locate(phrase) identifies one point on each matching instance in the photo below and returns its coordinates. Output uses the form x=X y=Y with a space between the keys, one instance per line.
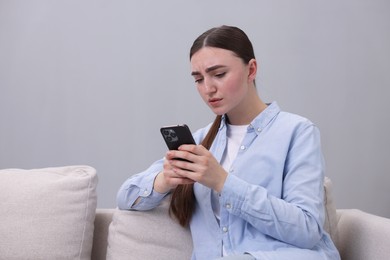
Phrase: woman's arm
x=138 y=193
x=296 y=217
x=145 y=190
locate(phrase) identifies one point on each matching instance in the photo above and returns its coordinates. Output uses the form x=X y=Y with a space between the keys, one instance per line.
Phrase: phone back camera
x=170 y=135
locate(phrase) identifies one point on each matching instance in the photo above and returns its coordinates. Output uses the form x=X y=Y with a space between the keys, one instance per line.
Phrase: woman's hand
x=168 y=179
x=202 y=167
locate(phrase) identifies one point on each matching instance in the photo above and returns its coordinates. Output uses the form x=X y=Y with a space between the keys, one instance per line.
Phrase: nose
x=209 y=86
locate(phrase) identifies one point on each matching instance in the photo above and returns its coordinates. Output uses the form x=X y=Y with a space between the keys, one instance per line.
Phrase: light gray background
x=91 y=82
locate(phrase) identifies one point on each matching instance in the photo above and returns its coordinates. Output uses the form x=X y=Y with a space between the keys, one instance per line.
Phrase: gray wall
x=91 y=82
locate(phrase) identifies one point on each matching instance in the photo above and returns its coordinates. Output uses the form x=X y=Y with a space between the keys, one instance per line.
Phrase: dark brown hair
x=225 y=37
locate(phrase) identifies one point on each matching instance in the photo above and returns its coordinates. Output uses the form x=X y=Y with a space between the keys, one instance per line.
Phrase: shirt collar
x=261 y=120
x=265 y=117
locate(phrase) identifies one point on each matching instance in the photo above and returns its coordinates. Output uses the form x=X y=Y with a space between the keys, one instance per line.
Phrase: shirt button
x=225 y=229
x=228 y=206
x=259 y=129
x=145 y=192
x=242 y=147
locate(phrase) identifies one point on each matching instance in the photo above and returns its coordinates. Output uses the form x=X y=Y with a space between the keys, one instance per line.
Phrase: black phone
x=177 y=135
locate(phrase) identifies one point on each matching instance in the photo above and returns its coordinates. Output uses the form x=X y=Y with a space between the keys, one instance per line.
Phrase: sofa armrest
x=362 y=236
x=103 y=219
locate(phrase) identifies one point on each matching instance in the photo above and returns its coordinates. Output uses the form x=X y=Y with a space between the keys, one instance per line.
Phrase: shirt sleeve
x=140 y=186
x=297 y=217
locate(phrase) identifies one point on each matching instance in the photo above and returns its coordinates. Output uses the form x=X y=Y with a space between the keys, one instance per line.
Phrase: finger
x=180 y=155
x=174 y=154
x=169 y=155
x=183 y=168
x=173 y=179
x=188 y=174
x=194 y=149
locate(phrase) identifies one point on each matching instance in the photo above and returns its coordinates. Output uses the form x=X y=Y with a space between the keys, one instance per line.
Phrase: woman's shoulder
x=295 y=125
x=273 y=117
x=290 y=117
x=293 y=118
x=284 y=122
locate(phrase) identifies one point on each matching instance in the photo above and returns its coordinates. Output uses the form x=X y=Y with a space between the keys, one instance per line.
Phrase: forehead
x=211 y=56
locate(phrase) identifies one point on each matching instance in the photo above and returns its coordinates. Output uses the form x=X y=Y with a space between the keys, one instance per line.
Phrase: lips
x=215 y=101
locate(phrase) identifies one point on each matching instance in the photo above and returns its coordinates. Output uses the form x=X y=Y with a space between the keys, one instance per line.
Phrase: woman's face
x=222 y=79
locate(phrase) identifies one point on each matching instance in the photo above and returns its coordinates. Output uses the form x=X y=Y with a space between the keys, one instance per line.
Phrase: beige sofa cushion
x=47 y=213
x=147 y=235
x=154 y=235
x=330 y=225
x=363 y=236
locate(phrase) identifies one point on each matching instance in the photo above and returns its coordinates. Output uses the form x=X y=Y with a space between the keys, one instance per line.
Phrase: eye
x=198 y=80
x=220 y=75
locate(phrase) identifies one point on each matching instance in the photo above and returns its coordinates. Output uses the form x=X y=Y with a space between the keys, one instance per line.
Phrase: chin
x=218 y=112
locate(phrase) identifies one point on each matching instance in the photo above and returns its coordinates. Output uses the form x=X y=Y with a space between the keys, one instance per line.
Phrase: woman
x=253 y=188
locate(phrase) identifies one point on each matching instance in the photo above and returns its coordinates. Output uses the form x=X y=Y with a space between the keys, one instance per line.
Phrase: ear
x=252 y=65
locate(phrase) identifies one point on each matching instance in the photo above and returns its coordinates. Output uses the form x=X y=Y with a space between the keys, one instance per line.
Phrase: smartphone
x=176 y=135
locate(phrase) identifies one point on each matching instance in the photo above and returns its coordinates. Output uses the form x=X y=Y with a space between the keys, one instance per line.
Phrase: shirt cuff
x=233 y=194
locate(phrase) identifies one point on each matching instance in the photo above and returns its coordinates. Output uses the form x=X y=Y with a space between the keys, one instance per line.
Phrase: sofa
x=51 y=213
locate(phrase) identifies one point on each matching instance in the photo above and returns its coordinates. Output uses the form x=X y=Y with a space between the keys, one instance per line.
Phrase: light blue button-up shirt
x=271 y=205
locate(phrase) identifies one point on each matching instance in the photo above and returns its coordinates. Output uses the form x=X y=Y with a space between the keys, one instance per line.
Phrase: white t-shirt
x=235 y=135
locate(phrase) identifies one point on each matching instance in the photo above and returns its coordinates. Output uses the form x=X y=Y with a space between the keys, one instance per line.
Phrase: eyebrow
x=215 y=67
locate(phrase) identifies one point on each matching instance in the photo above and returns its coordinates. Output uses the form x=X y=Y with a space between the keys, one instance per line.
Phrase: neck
x=245 y=114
